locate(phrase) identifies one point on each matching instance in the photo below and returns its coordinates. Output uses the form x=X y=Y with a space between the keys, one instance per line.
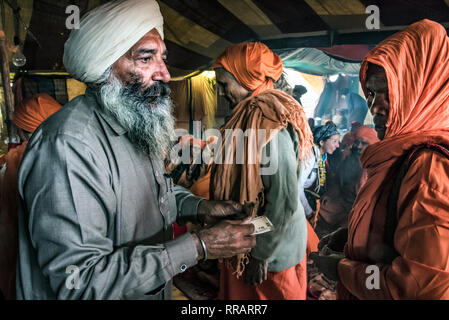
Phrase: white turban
x=107 y=33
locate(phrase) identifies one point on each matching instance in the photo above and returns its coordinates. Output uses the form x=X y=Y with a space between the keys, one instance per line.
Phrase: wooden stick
x=8 y=109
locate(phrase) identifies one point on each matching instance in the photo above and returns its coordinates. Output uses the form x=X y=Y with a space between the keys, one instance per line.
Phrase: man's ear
x=321 y=143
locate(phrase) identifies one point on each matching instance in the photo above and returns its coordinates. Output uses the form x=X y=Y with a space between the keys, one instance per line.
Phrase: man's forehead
x=225 y=76
x=151 y=40
x=360 y=139
x=376 y=75
x=377 y=82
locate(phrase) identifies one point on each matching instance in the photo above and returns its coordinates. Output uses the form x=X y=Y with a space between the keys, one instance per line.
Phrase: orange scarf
x=416 y=65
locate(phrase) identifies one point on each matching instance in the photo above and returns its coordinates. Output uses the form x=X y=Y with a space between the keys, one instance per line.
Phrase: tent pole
x=8 y=108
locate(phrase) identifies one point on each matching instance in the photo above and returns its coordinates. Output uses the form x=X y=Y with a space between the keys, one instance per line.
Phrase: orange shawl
x=253 y=65
x=416 y=65
x=272 y=111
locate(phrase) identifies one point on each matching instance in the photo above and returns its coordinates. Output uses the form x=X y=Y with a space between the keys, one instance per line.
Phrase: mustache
x=154 y=94
x=380 y=120
x=356 y=150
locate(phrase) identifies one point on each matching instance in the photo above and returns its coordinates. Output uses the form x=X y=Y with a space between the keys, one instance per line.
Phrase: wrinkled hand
x=228 y=238
x=327 y=264
x=210 y=211
x=256 y=271
x=335 y=241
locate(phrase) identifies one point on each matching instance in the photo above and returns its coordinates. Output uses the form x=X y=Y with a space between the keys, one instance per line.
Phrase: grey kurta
x=285 y=246
x=92 y=203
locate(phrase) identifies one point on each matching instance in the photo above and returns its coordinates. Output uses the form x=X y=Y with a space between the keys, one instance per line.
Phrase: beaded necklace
x=322 y=171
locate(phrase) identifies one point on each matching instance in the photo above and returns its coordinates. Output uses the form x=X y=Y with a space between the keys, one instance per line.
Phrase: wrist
x=200 y=246
x=200 y=212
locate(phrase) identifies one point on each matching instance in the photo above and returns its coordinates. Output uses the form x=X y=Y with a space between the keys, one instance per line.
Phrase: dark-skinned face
x=378 y=99
x=229 y=87
x=144 y=61
x=359 y=145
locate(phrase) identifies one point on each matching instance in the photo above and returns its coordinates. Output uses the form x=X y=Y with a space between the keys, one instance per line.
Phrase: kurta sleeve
x=187 y=205
x=421 y=271
x=70 y=207
x=281 y=192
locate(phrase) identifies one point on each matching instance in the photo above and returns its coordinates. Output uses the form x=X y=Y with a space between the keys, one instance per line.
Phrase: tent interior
x=321 y=43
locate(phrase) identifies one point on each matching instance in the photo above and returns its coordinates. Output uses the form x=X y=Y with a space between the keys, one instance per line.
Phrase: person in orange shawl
x=406 y=82
x=276 y=267
x=28 y=115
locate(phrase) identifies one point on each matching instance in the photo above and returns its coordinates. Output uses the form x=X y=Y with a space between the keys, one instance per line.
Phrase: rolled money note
x=261 y=225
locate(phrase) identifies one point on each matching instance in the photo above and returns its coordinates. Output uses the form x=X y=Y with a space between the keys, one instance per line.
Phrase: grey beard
x=145 y=114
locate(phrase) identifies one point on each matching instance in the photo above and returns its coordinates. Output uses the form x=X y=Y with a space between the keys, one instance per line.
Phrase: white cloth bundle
x=107 y=33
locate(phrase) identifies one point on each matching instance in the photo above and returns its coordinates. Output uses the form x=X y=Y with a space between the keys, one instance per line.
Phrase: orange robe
x=415 y=61
x=289 y=284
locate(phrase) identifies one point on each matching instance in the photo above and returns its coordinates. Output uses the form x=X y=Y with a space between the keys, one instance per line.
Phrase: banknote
x=262 y=224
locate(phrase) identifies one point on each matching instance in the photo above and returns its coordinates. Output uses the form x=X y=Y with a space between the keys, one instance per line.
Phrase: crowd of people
x=93 y=189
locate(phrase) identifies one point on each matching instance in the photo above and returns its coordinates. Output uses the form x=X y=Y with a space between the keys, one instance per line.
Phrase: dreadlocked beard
x=145 y=113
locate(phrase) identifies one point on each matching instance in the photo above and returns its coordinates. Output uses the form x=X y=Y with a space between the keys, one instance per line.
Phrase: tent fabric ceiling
x=348 y=52
x=314 y=61
x=197 y=31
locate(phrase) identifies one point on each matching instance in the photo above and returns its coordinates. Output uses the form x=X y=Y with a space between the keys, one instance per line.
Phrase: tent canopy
x=197 y=31
x=314 y=61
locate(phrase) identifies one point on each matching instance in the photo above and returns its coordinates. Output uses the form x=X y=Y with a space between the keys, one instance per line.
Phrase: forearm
x=121 y=274
x=404 y=279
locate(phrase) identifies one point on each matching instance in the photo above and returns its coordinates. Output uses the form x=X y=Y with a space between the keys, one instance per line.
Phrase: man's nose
x=379 y=104
x=161 y=73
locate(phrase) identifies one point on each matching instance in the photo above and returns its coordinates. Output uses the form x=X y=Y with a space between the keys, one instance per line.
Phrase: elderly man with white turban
x=97 y=206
